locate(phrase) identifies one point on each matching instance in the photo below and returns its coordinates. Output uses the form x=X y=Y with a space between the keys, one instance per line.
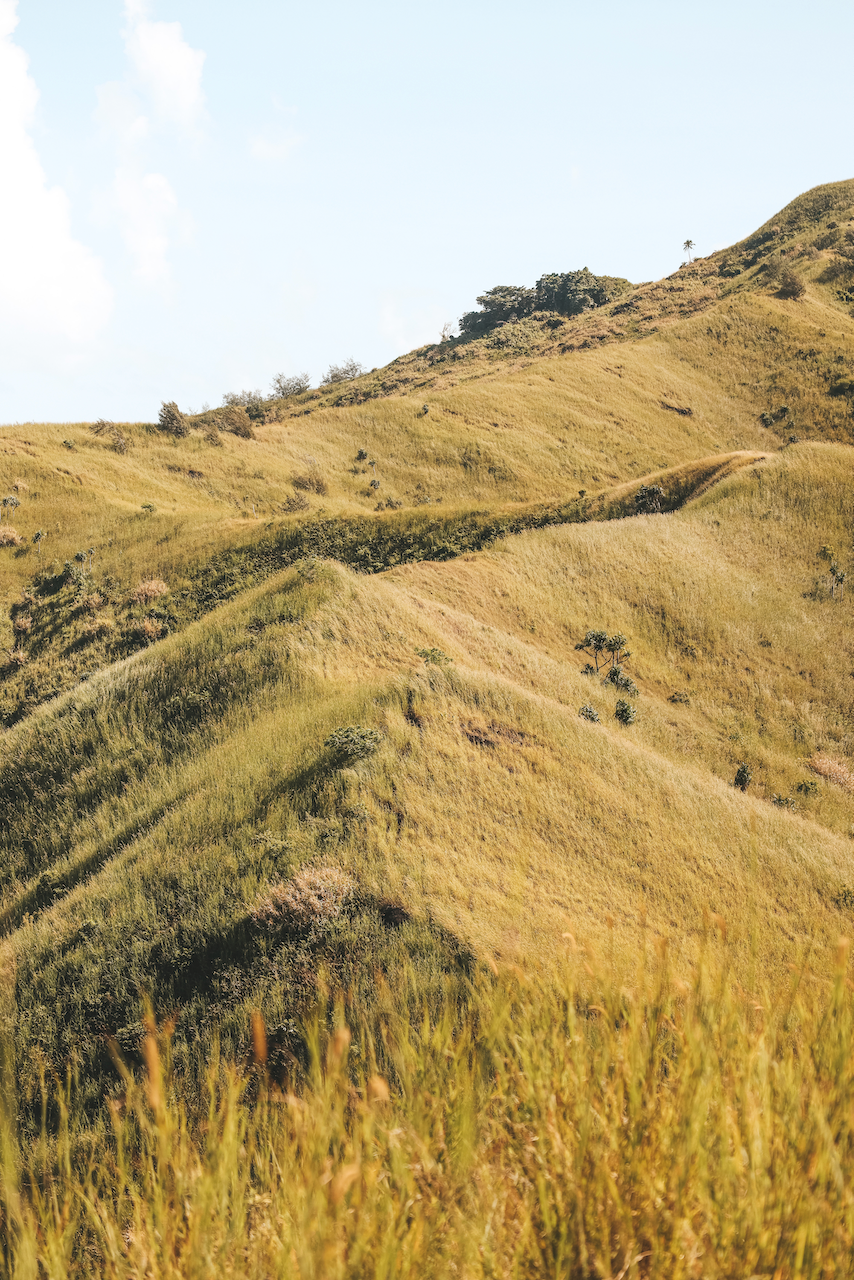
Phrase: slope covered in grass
x=296 y=718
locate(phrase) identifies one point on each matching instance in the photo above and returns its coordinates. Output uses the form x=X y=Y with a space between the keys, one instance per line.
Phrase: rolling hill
x=293 y=717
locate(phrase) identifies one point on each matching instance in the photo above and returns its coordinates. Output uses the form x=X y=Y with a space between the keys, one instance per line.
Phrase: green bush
x=434 y=657
x=625 y=712
x=618 y=678
x=743 y=776
x=353 y=743
x=589 y=713
x=648 y=499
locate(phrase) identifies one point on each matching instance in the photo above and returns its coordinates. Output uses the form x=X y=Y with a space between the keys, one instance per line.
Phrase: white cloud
x=147 y=205
x=273 y=150
x=50 y=283
x=166 y=67
x=164 y=89
x=120 y=114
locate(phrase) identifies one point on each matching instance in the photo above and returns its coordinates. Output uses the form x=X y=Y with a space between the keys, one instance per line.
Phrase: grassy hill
x=291 y=725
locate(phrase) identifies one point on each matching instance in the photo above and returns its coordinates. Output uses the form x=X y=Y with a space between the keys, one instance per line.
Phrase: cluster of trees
x=609 y=653
x=286 y=385
x=567 y=293
x=241 y=408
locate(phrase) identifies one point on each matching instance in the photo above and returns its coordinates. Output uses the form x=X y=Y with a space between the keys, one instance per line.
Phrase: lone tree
x=688 y=246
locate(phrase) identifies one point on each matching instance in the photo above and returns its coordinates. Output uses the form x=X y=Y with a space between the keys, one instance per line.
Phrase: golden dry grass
x=176 y=824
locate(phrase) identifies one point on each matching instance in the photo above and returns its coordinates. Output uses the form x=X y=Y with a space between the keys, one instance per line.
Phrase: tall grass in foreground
x=683 y=1129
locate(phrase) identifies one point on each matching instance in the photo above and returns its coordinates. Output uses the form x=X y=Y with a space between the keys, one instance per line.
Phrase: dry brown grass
x=9 y=537
x=315 y=895
x=835 y=771
x=145 y=592
x=98 y=629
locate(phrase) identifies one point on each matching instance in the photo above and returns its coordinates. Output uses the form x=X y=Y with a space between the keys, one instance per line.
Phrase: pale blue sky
x=196 y=196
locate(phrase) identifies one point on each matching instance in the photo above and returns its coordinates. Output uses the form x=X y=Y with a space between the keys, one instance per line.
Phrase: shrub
x=149 y=590
x=315 y=897
x=242 y=399
x=290 y=386
x=434 y=657
x=146 y=631
x=172 y=420
x=680 y=697
x=617 y=677
x=807 y=787
x=844 y=898
x=118 y=440
x=212 y=437
x=234 y=419
x=589 y=713
x=648 y=499
x=9 y=537
x=312 y=482
x=97 y=629
x=353 y=743
x=791 y=284
x=784 y=802
x=743 y=776
x=296 y=502
x=625 y=712
x=345 y=372
x=362 y=455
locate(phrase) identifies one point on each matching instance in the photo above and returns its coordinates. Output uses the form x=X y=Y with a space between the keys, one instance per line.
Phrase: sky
x=196 y=196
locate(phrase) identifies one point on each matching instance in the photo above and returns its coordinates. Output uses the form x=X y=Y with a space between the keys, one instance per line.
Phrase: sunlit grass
x=677 y=1126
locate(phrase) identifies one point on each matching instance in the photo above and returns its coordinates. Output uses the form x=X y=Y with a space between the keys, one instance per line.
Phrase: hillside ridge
x=291 y=709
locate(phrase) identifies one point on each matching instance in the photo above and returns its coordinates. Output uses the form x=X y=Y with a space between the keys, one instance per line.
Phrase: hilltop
x=294 y=714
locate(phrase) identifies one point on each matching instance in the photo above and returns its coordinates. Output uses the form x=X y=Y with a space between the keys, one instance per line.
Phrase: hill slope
x=187 y=638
